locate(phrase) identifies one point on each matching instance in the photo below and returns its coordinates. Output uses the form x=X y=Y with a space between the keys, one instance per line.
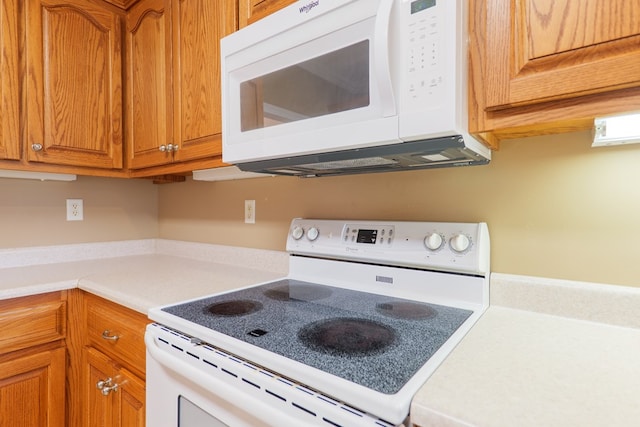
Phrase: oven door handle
x=231 y=395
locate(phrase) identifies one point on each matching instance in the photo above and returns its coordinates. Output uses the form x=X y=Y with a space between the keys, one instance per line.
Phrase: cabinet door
x=198 y=27
x=98 y=410
x=74 y=83
x=253 y=10
x=131 y=400
x=542 y=50
x=149 y=79
x=32 y=390
x=105 y=406
x=9 y=81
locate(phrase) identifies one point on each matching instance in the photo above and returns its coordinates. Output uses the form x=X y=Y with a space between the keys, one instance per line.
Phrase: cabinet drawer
x=29 y=321
x=106 y=321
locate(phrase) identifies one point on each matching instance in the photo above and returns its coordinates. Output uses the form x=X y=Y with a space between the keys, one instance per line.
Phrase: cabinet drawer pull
x=106 y=335
x=36 y=147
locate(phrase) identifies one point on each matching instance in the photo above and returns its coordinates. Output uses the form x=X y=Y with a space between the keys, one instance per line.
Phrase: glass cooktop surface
x=373 y=340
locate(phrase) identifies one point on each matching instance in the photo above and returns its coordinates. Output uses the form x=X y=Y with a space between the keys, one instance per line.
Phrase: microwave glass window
x=335 y=82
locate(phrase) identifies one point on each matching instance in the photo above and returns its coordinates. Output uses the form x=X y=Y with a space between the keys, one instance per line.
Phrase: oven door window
x=191 y=415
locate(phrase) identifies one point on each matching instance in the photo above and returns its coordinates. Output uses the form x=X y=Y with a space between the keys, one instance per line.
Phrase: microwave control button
x=433 y=241
x=297 y=232
x=313 y=234
x=460 y=243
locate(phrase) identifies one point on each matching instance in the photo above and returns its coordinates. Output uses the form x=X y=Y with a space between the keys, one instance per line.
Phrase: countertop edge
x=41 y=288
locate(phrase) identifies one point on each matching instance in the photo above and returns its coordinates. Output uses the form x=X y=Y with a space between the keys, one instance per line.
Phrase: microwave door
x=330 y=92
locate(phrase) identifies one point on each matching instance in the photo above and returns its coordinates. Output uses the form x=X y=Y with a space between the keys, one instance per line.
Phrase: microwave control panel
x=424 y=49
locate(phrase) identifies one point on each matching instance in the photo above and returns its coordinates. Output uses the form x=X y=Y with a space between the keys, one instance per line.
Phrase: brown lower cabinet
x=107 y=355
x=73 y=359
x=113 y=396
x=32 y=360
x=32 y=389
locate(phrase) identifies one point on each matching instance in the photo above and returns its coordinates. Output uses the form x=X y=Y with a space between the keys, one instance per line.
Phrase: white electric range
x=367 y=313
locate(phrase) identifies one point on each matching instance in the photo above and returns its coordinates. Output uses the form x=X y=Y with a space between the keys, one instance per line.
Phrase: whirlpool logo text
x=307 y=7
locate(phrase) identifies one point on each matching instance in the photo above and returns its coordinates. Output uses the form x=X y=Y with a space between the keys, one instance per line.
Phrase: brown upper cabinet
x=73 y=83
x=123 y=4
x=549 y=66
x=174 y=111
x=9 y=81
x=253 y=10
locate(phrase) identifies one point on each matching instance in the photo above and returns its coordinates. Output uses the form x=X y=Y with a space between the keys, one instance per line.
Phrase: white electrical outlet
x=250 y=211
x=74 y=210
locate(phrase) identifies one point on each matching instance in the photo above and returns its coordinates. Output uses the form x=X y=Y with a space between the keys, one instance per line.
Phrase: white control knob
x=297 y=232
x=459 y=243
x=433 y=241
x=313 y=234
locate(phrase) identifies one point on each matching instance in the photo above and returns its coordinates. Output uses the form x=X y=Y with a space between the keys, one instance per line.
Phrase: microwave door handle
x=381 y=58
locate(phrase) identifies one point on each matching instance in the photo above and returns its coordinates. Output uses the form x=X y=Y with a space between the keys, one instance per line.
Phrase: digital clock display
x=367 y=236
x=418 y=5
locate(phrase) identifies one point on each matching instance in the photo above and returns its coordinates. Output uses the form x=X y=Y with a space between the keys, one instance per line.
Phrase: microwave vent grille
x=422 y=154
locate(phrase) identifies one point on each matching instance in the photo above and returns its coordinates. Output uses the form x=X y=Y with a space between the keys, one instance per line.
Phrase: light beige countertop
x=147 y=281
x=546 y=353
x=148 y=274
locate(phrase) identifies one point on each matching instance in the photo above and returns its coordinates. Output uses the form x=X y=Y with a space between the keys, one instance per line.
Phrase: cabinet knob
x=169 y=148
x=106 y=390
x=36 y=147
x=107 y=386
x=106 y=335
x=100 y=385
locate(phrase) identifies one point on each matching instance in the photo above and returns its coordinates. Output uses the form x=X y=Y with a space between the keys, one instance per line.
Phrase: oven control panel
x=430 y=245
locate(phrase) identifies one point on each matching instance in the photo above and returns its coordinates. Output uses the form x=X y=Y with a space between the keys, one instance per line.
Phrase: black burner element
x=298 y=292
x=234 y=308
x=405 y=310
x=347 y=336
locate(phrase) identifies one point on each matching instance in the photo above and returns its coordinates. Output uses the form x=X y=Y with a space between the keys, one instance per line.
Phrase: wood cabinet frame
x=513 y=93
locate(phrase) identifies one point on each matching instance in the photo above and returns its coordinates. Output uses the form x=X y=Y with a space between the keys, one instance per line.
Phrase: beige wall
x=555 y=207
x=33 y=213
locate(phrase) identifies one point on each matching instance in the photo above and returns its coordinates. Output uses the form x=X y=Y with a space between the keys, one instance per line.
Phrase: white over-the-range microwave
x=326 y=87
